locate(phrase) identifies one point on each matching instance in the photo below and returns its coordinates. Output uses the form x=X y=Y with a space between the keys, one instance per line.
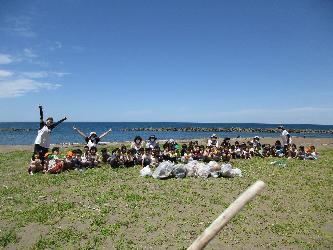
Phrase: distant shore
x=228 y=130
x=317 y=142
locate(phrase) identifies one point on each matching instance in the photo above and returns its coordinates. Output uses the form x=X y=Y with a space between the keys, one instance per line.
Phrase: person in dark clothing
x=106 y=156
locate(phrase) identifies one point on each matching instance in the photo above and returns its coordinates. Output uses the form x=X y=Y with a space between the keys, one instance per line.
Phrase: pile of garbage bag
x=194 y=168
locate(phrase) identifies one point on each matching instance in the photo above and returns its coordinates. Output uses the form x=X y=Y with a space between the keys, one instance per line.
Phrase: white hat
x=213 y=136
x=92 y=133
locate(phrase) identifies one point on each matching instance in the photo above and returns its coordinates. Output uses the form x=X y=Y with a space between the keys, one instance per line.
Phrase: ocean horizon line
x=187 y=122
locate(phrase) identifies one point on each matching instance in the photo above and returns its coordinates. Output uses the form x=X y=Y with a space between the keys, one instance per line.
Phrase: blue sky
x=195 y=61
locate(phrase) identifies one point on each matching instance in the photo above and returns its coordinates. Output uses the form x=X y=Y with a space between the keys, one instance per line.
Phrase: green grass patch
x=117 y=208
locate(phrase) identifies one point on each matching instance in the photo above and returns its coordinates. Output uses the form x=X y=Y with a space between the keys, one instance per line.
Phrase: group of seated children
x=73 y=160
x=249 y=149
x=151 y=153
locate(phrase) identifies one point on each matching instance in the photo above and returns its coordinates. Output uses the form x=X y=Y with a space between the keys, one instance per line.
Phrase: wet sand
x=320 y=143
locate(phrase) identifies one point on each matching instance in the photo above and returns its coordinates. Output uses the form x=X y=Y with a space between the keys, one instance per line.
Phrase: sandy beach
x=319 y=143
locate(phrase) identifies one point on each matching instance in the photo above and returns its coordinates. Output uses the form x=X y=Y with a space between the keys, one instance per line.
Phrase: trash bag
x=279 y=163
x=228 y=171
x=146 y=171
x=203 y=170
x=164 y=170
x=214 y=166
x=179 y=171
x=191 y=168
x=215 y=174
x=237 y=172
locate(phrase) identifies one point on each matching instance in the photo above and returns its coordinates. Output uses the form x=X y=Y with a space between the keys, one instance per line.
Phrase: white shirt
x=284 y=137
x=43 y=137
x=136 y=146
x=91 y=144
x=151 y=144
x=213 y=143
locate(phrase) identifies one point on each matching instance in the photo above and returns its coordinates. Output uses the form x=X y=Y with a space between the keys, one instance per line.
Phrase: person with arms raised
x=42 y=141
x=92 y=140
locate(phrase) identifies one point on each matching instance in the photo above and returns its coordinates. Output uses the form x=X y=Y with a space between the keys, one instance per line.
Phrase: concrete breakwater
x=200 y=129
x=17 y=129
x=234 y=130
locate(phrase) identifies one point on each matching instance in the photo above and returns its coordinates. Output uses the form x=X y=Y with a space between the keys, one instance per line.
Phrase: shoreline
x=320 y=143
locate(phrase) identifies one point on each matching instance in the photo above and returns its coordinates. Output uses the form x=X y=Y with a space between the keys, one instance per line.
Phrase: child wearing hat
x=152 y=142
x=92 y=140
x=213 y=142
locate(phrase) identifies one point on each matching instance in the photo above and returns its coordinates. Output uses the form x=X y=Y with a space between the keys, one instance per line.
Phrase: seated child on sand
x=93 y=158
x=311 y=153
x=35 y=165
x=54 y=163
x=147 y=157
x=137 y=143
x=106 y=156
x=152 y=142
x=213 y=142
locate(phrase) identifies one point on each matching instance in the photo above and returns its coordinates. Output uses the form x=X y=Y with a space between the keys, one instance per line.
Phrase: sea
x=64 y=133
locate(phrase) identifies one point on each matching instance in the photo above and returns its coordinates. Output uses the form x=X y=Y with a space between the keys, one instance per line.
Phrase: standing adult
x=42 y=141
x=285 y=138
x=92 y=140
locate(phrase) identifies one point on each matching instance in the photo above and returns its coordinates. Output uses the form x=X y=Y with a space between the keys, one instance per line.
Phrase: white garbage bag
x=203 y=170
x=214 y=166
x=191 y=168
x=164 y=170
x=228 y=171
x=179 y=171
x=146 y=171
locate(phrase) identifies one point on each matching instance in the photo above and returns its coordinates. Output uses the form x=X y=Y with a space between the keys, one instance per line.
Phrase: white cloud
x=5 y=59
x=5 y=73
x=35 y=74
x=18 y=25
x=43 y=74
x=59 y=74
x=29 y=53
x=55 y=45
x=19 y=87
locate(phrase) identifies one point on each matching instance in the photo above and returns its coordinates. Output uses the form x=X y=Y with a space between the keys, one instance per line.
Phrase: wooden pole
x=211 y=231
